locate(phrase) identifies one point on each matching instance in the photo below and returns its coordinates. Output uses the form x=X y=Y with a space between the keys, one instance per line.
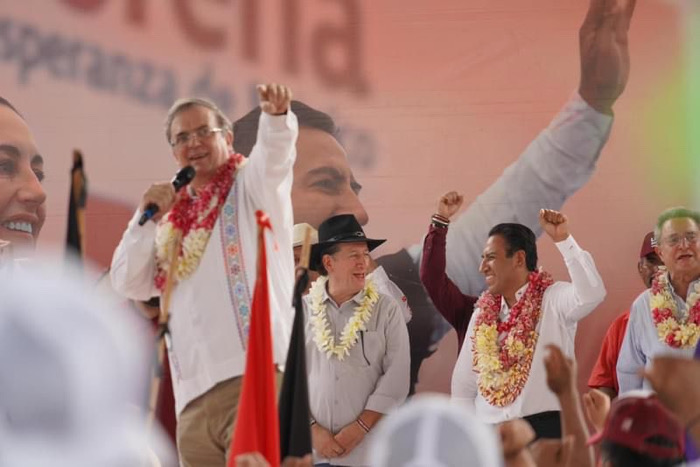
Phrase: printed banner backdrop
x=429 y=96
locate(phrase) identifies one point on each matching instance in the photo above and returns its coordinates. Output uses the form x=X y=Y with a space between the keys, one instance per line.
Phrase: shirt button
x=337 y=378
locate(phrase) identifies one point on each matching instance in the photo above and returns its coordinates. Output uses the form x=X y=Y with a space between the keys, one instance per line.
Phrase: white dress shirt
x=207 y=346
x=563 y=305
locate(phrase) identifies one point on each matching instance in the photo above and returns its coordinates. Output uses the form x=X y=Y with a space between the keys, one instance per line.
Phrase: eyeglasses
x=202 y=134
x=675 y=240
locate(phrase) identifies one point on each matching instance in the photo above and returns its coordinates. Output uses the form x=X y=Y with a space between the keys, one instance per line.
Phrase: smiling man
x=215 y=217
x=500 y=373
x=665 y=319
x=356 y=346
x=22 y=198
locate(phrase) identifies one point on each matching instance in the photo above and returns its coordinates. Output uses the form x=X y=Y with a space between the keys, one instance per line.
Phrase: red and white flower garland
x=195 y=219
x=672 y=331
x=503 y=350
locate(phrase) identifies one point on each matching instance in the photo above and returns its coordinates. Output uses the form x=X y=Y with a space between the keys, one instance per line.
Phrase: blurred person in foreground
x=22 y=198
x=604 y=374
x=558 y=162
x=640 y=432
x=432 y=431
x=73 y=377
x=665 y=319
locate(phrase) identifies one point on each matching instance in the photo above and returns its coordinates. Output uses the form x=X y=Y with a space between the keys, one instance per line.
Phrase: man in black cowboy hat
x=356 y=345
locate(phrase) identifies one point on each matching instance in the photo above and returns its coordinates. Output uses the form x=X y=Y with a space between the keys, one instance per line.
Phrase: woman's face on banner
x=22 y=209
x=324 y=185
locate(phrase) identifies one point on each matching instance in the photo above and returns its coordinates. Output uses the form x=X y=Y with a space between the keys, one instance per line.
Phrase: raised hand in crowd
x=324 y=443
x=553 y=452
x=604 y=48
x=561 y=380
x=274 y=98
x=596 y=405
x=676 y=381
x=449 y=204
x=555 y=224
x=516 y=435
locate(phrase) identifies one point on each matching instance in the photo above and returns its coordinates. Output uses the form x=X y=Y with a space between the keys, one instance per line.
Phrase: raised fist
x=555 y=224
x=274 y=98
x=449 y=204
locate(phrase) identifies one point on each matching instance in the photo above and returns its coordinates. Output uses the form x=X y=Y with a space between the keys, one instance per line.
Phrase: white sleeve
x=551 y=169
x=464 y=379
x=268 y=173
x=575 y=300
x=133 y=264
x=387 y=287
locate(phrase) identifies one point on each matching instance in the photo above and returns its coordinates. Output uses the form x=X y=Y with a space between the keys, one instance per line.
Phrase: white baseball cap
x=73 y=373
x=300 y=231
x=432 y=431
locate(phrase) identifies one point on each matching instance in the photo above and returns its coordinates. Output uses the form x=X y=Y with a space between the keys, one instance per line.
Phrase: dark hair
x=330 y=250
x=622 y=456
x=245 y=129
x=518 y=237
x=6 y=103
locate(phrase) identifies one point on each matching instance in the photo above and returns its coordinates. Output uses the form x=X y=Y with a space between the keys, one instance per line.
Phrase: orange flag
x=257 y=424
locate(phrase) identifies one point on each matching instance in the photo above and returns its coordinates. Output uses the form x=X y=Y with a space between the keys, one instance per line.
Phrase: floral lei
x=503 y=350
x=195 y=219
x=665 y=314
x=348 y=338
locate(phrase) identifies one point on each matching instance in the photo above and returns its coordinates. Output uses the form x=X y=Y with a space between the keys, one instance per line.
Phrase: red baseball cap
x=634 y=422
x=648 y=245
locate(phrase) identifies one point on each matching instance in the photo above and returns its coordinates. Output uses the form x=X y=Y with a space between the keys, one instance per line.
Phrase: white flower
x=325 y=342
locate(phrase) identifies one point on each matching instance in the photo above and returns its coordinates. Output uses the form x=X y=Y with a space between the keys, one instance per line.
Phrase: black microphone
x=183 y=177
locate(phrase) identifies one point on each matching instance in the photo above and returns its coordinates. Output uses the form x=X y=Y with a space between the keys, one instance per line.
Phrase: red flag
x=257 y=424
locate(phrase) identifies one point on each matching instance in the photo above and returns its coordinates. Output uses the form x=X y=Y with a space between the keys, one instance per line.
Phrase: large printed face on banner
x=22 y=209
x=324 y=184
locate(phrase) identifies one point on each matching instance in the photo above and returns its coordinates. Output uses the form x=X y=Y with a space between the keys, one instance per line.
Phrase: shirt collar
x=357 y=298
x=518 y=295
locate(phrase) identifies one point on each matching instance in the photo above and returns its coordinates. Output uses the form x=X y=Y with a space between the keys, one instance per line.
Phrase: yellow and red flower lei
x=503 y=350
x=195 y=219
x=664 y=312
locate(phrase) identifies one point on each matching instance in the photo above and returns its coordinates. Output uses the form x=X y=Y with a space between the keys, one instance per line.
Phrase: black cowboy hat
x=343 y=228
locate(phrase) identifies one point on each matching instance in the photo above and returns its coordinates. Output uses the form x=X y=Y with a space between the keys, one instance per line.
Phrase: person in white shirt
x=215 y=274
x=500 y=372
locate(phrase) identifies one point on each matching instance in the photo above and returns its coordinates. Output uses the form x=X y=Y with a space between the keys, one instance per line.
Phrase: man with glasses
x=214 y=221
x=666 y=318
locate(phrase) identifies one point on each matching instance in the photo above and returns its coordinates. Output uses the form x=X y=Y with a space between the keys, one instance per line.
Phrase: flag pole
x=163 y=330
x=294 y=408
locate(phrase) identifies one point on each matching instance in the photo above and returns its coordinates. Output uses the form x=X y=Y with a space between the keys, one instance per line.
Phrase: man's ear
x=327 y=261
x=520 y=258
